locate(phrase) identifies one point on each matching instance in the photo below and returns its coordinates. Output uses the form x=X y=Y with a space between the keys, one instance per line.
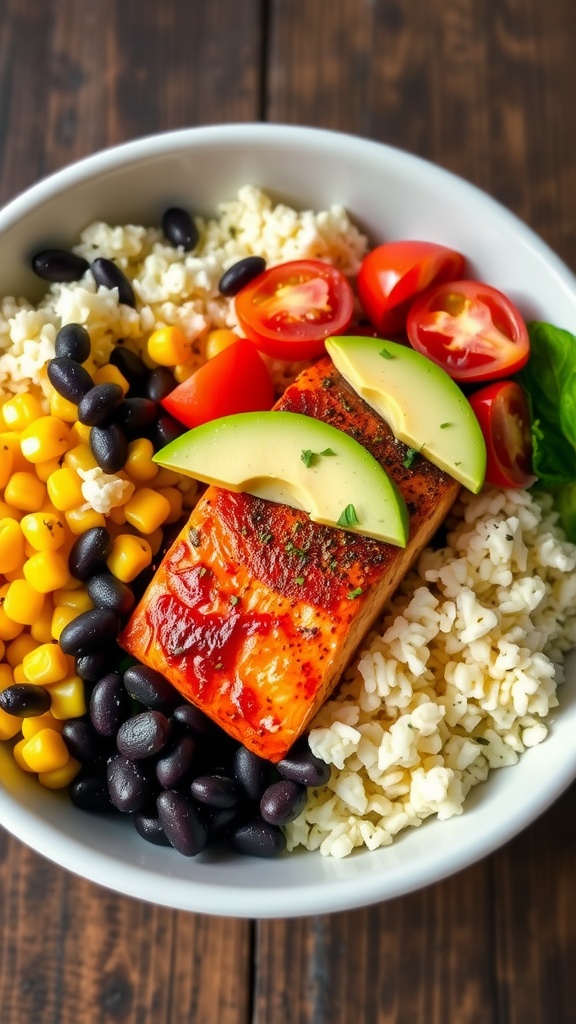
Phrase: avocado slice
x=422 y=405
x=296 y=460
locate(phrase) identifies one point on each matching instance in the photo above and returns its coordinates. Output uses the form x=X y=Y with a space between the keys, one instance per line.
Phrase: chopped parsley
x=386 y=353
x=309 y=457
x=410 y=456
x=348 y=517
x=293 y=549
x=299 y=580
x=265 y=538
x=352 y=594
x=234 y=599
x=444 y=425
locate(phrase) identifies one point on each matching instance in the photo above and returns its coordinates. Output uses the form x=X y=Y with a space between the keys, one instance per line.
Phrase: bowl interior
x=389 y=194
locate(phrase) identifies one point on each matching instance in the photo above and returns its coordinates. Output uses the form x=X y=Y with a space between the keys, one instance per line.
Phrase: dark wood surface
x=488 y=90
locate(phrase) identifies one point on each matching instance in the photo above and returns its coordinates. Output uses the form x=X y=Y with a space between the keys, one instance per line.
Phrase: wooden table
x=486 y=89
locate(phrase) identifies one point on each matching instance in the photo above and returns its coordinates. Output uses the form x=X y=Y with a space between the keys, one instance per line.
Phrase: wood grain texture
x=486 y=90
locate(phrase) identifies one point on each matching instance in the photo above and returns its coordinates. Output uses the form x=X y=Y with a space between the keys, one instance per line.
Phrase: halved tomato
x=502 y=411
x=289 y=310
x=235 y=380
x=392 y=274
x=470 y=329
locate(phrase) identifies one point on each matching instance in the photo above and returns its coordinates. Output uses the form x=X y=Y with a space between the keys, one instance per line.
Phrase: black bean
x=91 y=667
x=252 y=772
x=175 y=761
x=105 y=591
x=109 y=447
x=195 y=721
x=90 y=793
x=179 y=228
x=258 y=838
x=165 y=430
x=151 y=689
x=83 y=741
x=161 y=381
x=221 y=821
x=98 y=404
x=301 y=765
x=73 y=342
x=59 y=265
x=182 y=822
x=216 y=790
x=143 y=735
x=89 y=632
x=282 y=802
x=240 y=274
x=89 y=553
x=129 y=784
x=149 y=828
x=69 y=378
x=25 y=700
x=110 y=705
x=132 y=368
x=107 y=273
x=134 y=414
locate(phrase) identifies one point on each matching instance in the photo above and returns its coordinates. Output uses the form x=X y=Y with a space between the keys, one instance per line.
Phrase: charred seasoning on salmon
x=255 y=610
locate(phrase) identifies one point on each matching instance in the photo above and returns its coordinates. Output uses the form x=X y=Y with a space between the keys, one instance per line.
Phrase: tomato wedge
x=502 y=411
x=392 y=274
x=470 y=329
x=235 y=380
x=289 y=310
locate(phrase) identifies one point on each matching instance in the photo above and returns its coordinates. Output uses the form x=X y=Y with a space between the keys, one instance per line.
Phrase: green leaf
x=410 y=456
x=352 y=594
x=386 y=353
x=348 y=517
x=307 y=455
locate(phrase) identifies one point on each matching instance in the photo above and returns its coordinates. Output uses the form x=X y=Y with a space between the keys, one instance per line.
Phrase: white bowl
x=391 y=195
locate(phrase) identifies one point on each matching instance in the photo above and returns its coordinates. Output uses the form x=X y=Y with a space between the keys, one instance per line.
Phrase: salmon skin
x=255 y=610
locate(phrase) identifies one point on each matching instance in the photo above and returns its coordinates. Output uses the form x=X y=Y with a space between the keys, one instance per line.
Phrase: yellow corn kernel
x=68 y=698
x=18 y=648
x=218 y=340
x=6 y=676
x=41 y=628
x=11 y=545
x=8 y=628
x=128 y=557
x=174 y=497
x=73 y=597
x=23 y=603
x=110 y=374
x=146 y=510
x=30 y=726
x=117 y=515
x=58 y=778
x=45 y=469
x=17 y=755
x=2 y=651
x=9 y=512
x=166 y=478
x=79 y=434
x=64 y=488
x=80 y=520
x=46 y=438
x=20 y=411
x=45 y=751
x=10 y=725
x=25 y=491
x=183 y=371
x=61 y=407
x=45 y=665
x=61 y=617
x=139 y=465
x=47 y=571
x=11 y=440
x=80 y=457
x=19 y=676
x=6 y=464
x=44 y=532
x=169 y=346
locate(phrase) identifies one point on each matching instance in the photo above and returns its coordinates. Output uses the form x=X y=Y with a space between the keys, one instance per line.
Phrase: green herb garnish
x=410 y=456
x=299 y=580
x=386 y=354
x=234 y=599
x=354 y=593
x=348 y=517
x=444 y=425
x=309 y=457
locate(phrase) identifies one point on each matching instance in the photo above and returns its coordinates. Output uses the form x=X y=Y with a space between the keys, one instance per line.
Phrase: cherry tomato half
x=502 y=411
x=288 y=311
x=470 y=329
x=235 y=380
x=391 y=275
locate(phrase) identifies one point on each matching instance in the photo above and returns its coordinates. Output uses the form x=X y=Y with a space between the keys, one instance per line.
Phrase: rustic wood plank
x=76 y=76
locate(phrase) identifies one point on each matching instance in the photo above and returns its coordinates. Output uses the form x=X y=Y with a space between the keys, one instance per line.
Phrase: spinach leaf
x=549 y=379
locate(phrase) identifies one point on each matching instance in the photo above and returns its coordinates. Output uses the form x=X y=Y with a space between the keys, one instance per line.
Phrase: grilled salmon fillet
x=255 y=611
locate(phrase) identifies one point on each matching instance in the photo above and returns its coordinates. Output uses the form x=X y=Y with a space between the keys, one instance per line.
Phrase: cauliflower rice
x=461 y=672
